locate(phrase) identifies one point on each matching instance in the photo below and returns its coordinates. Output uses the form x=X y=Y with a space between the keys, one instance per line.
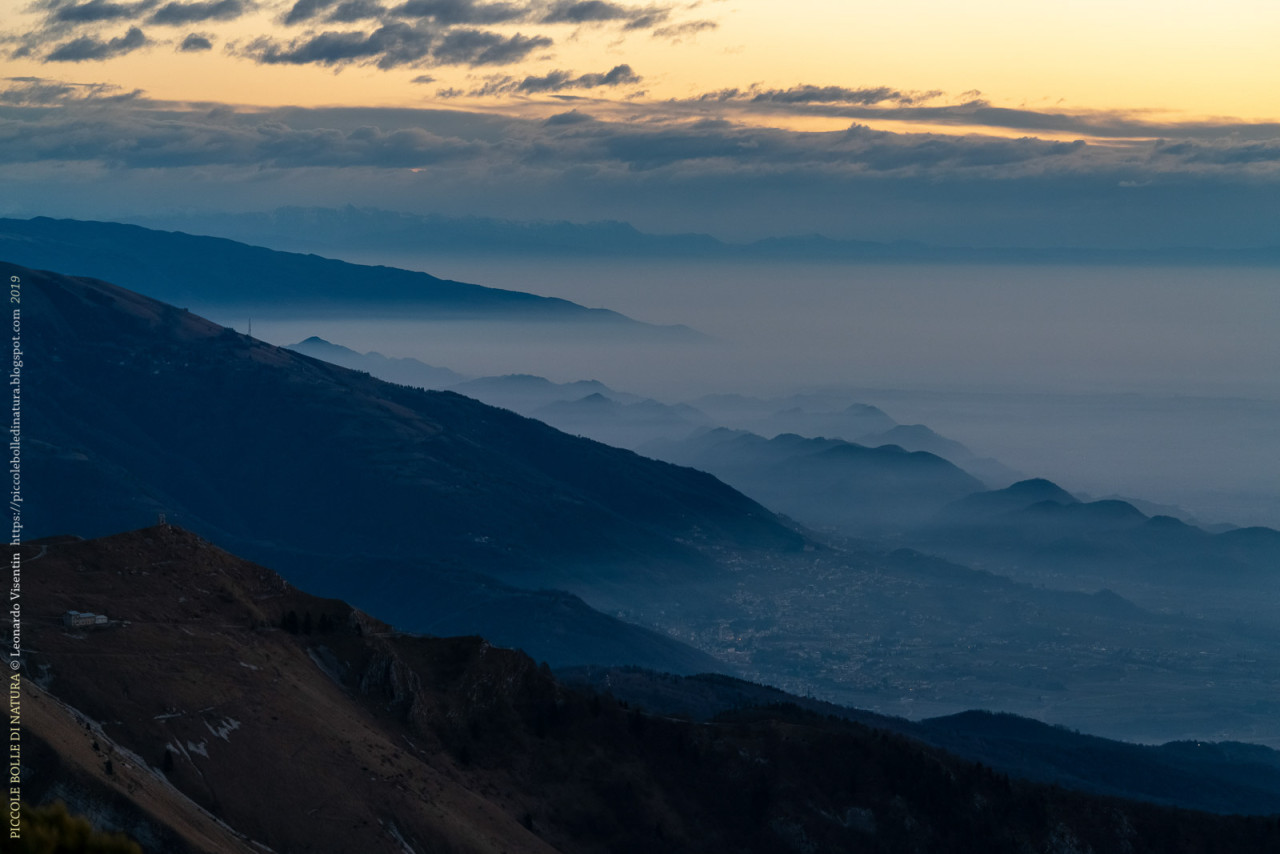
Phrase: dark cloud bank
x=663 y=174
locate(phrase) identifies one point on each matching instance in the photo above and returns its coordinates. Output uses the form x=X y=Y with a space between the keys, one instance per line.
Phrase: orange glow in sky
x=1171 y=56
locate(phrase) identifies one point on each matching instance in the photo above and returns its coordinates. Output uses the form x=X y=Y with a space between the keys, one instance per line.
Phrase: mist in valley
x=903 y=419
x=1159 y=384
x=1032 y=477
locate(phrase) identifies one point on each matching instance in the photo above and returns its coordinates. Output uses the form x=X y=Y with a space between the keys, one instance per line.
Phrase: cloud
x=154 y=139
x=455 y=12
x=196 y=42
x=808 y=94
x=1220 y=153
x=619 y=75
x=90 y=48
x=40 y=91
x=630 y=142
x=388 y=46
x=181 y=14
x=601 y=11
x=395 y=45
x=1104 y=124
x=585 y=11
x=679 y=32
x=305 y=10
x=655 y=168
x=35 y=91
x=412 y=33
x=651 y=139
x=829 y=95
x=95 y=11
x=888 y=104
x=75 y=28
x=572 y=117
x=558 y=81
x=356 y=10
x=481 y=47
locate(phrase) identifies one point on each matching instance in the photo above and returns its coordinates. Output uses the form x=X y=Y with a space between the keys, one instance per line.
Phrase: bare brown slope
x=259 y=734
x=351 y=738
x=66 y=758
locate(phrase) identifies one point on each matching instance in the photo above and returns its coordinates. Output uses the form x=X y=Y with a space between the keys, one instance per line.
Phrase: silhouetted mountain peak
x=826 y=482
x=1038 y=489
x=514 y=381
x=405 y=371
x=593 y=405
x=1168 y=523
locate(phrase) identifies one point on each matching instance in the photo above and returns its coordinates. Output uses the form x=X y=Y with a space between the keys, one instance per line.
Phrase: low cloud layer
x=883 y=104
x=38 y=91
x=668 y=171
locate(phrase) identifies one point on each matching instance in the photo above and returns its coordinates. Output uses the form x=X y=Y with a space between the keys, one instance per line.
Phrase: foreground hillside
x=222 y=709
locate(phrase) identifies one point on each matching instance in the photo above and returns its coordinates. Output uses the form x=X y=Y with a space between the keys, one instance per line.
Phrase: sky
x=1120 y=124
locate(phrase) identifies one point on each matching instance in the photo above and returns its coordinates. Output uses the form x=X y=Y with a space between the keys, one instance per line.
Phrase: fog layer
x=1157 y=383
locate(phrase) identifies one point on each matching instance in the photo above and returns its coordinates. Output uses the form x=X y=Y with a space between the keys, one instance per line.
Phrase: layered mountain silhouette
x=223 y=709
x=315 y=228
x=626 y=425
x=387 y=495
x=918 y=437
x=588 y=408
x=826 y=483
x=526 y=393
x=411 y=372
x=1034 y=529
x=592 y=409
x=808 y=415
x=186 y=269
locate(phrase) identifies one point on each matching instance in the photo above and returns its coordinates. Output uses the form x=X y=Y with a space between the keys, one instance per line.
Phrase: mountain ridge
x=188 y=269
x=298 y=723
x=375 y=229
